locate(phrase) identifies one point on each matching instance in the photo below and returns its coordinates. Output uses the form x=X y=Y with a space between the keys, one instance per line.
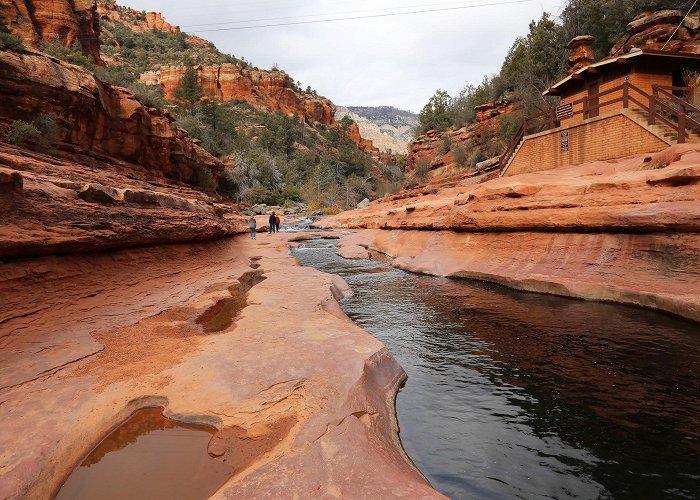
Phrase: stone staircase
x=660 y=129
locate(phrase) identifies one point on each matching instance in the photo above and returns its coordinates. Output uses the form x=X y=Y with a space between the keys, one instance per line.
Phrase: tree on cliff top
x=607 y=20
x=436 y=114
x=189 y=90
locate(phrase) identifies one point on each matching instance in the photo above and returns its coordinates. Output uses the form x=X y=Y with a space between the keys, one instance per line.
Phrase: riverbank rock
x=56 y=205
x=111 y=333
x=353 y=252
x=625 y=231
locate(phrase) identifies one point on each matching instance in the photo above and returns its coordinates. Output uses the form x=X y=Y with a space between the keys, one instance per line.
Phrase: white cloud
x=397 y=61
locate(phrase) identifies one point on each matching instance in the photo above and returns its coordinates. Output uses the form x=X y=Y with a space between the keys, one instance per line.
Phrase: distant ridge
x=389 y=128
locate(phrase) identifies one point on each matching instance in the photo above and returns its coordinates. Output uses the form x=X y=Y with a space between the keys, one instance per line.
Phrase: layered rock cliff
x=266 y=90
x=389 y=129
x=102 y=180
x=63 y=21
x=95 y=117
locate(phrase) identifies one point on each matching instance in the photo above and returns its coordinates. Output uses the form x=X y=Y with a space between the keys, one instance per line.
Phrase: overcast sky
x=394 y=60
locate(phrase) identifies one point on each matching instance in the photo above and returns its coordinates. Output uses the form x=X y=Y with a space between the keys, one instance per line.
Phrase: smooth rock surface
x=50 y=205
x=87 y=339
x=624 y=231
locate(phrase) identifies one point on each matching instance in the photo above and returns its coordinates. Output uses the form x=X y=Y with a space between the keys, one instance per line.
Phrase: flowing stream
x=519 y=395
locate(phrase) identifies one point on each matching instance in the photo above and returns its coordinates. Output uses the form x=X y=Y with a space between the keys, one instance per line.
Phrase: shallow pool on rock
x=149 y=457
x=520 y=395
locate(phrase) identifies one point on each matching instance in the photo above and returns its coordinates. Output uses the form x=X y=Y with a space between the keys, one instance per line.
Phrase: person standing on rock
x=272 y=222
x=252 y=224
x=277 y=223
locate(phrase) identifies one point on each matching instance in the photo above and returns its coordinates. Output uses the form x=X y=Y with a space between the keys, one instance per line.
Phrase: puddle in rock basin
x=149 y=457
x=522 y=395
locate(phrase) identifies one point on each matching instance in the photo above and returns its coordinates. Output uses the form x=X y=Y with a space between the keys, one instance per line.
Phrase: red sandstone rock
x=88 y=339
x=63 y=21
x=353 y=252
x=353 y=133
x=549 y=217
x=581 y=53
x=154 y=21
x=50 y=205
x=267 y=90
x=653 y=30
x=97 y=118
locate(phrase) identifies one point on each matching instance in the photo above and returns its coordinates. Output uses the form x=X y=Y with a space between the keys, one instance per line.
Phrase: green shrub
x=148 y=95
x=422 y=169
x=47 y=125
x=9 y=41
x=460 y=155
x=73 y=54
x=259 y=194
x=477 y=157
x=228 y=184
x=510 y=123
x=22 y=132
x=190 y=124
x=445 y=145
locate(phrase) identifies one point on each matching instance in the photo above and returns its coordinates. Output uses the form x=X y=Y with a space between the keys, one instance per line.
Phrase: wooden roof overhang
x=626 y=59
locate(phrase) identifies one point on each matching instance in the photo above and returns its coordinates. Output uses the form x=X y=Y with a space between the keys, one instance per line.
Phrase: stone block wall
x=603 y=138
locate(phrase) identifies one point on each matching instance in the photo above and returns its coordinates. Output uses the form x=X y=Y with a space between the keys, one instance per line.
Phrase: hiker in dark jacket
x=272 y=222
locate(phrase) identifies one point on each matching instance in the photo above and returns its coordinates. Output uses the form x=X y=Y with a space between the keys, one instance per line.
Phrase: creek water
x=520 y=395
x=149 y=457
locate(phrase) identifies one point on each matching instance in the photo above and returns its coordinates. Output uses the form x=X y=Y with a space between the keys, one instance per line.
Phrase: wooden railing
x=663 y=106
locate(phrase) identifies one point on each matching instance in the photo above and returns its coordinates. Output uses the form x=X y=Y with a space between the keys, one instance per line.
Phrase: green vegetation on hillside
x=277 y=159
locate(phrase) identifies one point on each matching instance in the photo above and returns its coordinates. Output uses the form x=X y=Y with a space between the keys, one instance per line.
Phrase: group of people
x=274 y=224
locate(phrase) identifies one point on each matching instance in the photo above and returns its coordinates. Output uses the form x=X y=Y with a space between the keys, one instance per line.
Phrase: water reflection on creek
x=516 y=395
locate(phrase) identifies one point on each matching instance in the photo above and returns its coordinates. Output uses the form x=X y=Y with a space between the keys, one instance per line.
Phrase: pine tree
x=189 y=90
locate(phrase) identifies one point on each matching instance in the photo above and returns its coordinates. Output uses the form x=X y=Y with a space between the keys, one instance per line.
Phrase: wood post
x=681 y=124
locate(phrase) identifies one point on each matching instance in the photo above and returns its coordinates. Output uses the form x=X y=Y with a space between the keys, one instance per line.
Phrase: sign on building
x=564 y=110
x=564 y=141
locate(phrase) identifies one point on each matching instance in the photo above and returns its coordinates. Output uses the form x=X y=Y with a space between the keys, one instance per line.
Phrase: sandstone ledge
x=625 y=231
x=656 y=271
x=89 y=338
x=51 y=205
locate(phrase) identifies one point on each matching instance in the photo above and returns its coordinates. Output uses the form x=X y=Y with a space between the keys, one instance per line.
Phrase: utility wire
x=316 y=15
x=369 y=16
x=679 y=25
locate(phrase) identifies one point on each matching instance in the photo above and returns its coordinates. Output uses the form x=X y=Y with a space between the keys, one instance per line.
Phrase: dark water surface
x=149 y=457
x=518 y=395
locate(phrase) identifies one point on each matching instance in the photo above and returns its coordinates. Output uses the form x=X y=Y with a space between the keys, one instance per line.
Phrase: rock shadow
x=221 y=315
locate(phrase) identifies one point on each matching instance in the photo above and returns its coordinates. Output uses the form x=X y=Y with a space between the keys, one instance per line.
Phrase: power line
x=315 y=15
x=369 y=16
x=679 y=25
